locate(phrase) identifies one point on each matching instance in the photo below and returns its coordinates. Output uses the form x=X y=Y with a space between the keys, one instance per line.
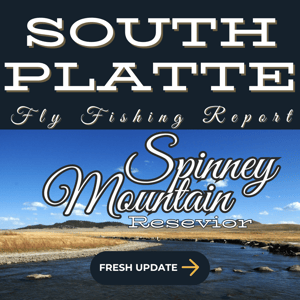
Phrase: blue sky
x=29 y=157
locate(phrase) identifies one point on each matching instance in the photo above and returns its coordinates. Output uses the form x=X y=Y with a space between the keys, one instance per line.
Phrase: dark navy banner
x=119 y=65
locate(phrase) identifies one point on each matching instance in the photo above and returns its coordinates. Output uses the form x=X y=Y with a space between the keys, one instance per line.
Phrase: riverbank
x=71 y=278
x=27 y=257
x=275 y=233
x=286 y=249
x=276 y=238
x=73 y=242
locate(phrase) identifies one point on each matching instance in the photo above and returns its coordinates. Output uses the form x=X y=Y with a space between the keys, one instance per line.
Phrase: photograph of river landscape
x=46 y=253
x=71 y=278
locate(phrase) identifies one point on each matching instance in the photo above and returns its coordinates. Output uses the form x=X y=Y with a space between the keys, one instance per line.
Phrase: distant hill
x=75 y=224
x=255 y=222
x=86 y=224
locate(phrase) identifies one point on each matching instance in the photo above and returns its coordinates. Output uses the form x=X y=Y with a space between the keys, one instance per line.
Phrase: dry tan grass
x=44 y=241
x=8 y=233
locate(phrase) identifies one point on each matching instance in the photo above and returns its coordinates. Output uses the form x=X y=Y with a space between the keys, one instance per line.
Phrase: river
x=71 y=279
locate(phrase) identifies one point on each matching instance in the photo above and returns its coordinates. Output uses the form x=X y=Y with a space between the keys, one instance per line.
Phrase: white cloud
x=104 y=205
x=33 y=205
x=18 y=223
x=220 y=183
x=147 y=161
x=264 y=213
x=79 y=206
x=236 y=217
x=35 y=214
x=29 y=208
x=278 y=208
x=287 y=222
x=78 y=212
x=98 y=213
x=38 y=204
x=133 y=170
x=268 y=197
x=9 y=219
x=292 y=206
x=295 y=206
x=15 y=221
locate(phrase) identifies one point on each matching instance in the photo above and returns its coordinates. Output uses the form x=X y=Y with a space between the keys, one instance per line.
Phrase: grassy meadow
x=83 y=238
x=18 y=241
x=279 y=233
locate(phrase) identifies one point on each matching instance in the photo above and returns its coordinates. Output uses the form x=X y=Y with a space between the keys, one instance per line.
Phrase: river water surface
x=71 y=279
